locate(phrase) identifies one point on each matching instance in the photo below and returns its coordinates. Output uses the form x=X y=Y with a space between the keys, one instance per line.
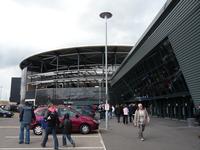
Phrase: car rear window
x=63 y=111
x=41 y=112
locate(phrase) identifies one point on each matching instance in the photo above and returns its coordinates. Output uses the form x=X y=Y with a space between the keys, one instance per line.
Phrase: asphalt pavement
x=161 y=134
x=9 y=131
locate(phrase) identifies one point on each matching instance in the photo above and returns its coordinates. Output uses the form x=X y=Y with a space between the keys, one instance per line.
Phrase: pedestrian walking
x=118 y=113
x=51 y=117
x=67 y=129
x=141 y=119
x=125 y=114
x=26 y=116
x=131 y=111
x=110 y=112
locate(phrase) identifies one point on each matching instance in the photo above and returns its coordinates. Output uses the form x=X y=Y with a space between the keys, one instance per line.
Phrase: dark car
x=5 y=113
x=80 y=123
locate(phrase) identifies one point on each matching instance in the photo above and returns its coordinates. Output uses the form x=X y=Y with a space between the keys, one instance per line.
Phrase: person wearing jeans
x=25 y=126
x=26 y=116
x=52 y=120
x=67 y=129
x=50 y=130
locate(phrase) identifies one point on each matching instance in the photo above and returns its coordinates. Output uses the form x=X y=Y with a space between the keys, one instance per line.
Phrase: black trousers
x=125 y=119
x=118 y=118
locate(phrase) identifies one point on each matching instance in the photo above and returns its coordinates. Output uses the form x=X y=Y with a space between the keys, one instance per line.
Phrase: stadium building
x=71 y=75
x=162 y=70
x=15 y=90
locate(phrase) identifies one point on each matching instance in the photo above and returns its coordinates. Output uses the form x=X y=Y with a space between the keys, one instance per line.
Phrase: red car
x=80 y=123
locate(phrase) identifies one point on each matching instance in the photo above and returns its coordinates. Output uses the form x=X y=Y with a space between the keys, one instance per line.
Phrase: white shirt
x=125 y=111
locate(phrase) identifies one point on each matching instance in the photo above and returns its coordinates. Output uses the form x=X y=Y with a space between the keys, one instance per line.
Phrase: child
x=67 y=129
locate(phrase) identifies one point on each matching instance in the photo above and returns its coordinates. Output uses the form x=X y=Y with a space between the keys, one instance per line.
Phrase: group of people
x=50 y=122
x=134 y=113
x=125 y=111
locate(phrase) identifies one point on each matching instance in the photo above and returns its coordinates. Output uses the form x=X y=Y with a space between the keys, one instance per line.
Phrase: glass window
x=62 y=111
x=41 y=112
x=72 y=114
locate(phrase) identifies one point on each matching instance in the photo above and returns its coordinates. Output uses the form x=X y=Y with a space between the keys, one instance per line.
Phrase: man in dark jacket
x=26 y=116
x=51 y=117
x=131 y=112
x=118 y=113
x=67 y=129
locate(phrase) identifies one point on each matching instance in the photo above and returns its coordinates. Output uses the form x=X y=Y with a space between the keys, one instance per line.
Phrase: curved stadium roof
x=68 y=58
x=77 y=65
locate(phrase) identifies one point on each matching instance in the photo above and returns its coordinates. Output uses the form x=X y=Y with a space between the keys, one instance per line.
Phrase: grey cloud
x=10 y=56
x=129 y=21
x=54 y=4
x=129 y=17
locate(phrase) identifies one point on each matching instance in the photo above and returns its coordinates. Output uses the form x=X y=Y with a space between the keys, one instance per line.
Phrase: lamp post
x=106 y=15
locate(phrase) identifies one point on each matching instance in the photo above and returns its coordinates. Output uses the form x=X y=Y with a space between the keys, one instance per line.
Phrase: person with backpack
x=51 y=117
x=26 y=116
x=67 y=129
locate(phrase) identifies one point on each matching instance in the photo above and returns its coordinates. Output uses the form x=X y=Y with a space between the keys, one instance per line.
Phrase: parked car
x=80 y=123
x=5 y=113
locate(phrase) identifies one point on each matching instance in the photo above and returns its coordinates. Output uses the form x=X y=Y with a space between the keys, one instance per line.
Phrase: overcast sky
x=28 y=27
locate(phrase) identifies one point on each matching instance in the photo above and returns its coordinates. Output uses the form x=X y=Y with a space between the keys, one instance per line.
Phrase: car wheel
x=4 y=115
x=85 y=129
x=37 y=130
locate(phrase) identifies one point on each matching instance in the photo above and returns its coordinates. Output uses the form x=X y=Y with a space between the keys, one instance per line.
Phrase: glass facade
x=157 y=75
x=158 y=82
x=74 y=74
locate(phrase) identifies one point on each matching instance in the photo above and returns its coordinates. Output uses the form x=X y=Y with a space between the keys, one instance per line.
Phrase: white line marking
x=9 y=127
x=39 y=137
x=19 y=148
x=101 y=140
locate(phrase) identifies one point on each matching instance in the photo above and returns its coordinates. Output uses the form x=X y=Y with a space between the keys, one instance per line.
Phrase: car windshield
x=2 y=110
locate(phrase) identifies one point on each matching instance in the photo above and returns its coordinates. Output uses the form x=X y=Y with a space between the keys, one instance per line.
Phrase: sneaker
x=21 y=142
x=42 y=145
x=27 y=142
x=142 y=139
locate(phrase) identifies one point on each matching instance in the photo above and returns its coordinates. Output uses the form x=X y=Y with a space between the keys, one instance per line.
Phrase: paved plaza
x=161 y=134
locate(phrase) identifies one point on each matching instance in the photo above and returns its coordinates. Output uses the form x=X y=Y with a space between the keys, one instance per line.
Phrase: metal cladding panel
x=15 y=90
x=185 y=41
x=173 y=20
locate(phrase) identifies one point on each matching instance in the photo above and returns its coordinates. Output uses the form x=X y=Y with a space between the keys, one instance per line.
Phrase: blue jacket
x=26 y=114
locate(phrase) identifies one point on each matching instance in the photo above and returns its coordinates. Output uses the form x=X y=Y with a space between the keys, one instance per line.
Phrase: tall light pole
x=106 y=15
